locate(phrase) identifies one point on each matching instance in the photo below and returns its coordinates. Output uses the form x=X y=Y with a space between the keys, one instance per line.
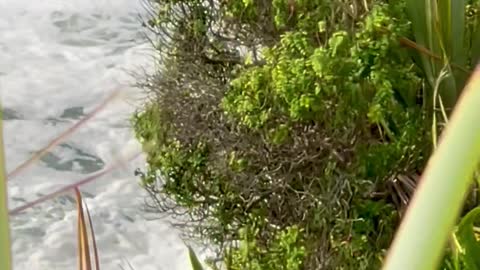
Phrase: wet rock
x=10 y=114
x=73 y=113
x=81 y=162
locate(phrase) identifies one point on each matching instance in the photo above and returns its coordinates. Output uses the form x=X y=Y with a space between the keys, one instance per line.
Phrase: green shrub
x=296 y=153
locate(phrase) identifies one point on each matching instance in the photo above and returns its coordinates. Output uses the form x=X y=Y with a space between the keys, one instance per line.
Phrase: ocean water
x=58 y=61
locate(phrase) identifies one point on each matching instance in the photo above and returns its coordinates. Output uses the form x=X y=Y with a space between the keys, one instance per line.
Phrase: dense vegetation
x=290 y=133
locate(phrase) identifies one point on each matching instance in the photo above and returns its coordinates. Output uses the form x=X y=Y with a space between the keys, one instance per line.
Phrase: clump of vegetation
x=289 y=126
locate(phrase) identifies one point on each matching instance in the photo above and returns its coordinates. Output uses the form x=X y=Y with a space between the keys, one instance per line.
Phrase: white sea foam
x=58 y=60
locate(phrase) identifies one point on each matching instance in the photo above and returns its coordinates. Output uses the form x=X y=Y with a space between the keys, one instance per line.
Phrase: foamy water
x=58 y=60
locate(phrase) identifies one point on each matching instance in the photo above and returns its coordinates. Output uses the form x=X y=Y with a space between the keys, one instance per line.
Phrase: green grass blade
x=421 y=238
x=5 y=253
x=452 y=20
x=196 y=265
x=420 y=13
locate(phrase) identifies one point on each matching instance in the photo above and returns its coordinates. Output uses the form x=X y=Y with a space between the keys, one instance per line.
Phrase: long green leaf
x=439 y=26
x=420 y=13
x=429 y=220
x=452 y=24
x=5 y=253
x=452 y=20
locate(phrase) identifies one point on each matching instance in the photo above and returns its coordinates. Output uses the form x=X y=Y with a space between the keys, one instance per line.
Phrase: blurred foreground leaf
x=5 y=253
x=435 y=207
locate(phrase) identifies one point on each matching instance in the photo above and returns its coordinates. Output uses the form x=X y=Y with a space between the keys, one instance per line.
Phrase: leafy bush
x=298 y=152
